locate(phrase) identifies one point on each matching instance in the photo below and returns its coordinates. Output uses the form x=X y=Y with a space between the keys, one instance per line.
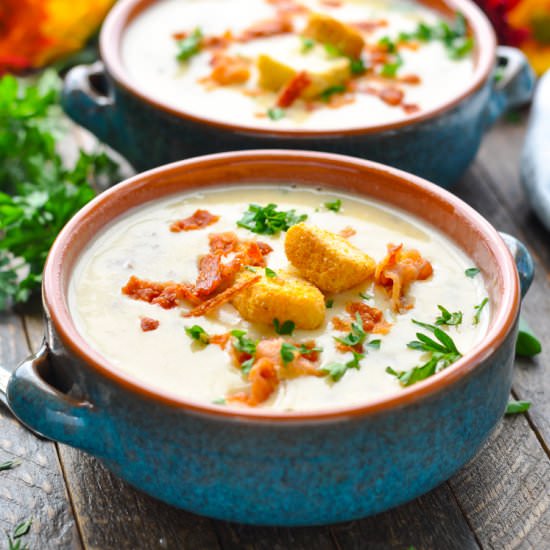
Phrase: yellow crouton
x=327 y=260
x=283 y=297
x=274 y=73
x=327 y=30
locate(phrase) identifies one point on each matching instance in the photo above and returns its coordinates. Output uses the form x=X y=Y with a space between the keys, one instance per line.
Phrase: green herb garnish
x=374 y=344
x=287 y=328
x=527 y=344
x=365 y=296
x=516 y=407
x=307 y=44
x=389 y=70
x=333 y=51
x=357 y=65
x=334 y=205
x=356 y=336
x=270 y=273
x=389 y=45
x=276 y=113
x=22 y=529
x=479 y=309
x=219 y=401
x=250 y=268
x=337 y=370
x=325 y=95
x=448 y=318
x=190 y=46
x=287 y=352
x=471 y=272
x=198 y=334
x=266 y=220
x=9 y=464
x=329 y=303
x=243 y=343
x=39 y=192
x=443 y=353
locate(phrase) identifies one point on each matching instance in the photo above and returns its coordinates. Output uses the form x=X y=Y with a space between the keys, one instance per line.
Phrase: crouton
x=326 y=259
x=275 y=71
x=283 y=297
x=327 y=30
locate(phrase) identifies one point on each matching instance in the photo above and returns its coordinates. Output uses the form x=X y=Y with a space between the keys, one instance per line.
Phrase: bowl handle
x=44 y=409
x=513 y=84
x=523 y=259
x=88 y=98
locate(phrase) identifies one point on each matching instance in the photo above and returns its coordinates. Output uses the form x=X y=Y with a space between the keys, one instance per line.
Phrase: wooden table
x=500 y=500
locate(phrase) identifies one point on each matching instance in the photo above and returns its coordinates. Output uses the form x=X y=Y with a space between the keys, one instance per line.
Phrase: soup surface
x=289 y=64
x=356 y=345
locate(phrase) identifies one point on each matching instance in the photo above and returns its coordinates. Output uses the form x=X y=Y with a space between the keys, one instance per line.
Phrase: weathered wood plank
x=430 y=522
x=36 y=488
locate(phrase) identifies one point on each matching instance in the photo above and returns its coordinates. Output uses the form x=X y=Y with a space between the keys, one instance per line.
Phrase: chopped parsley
x=329 y=303
x=198 y=334
x=389 y=70
x=332 y=50
x=287 y=352
x=337 y=370
x=325 y=95
x=527 y=344
x=333 y=205
x=9 y=464
x=267 y=220
x=250 y=268
x=270 y=273
x=479 y=309
x=276 y=113
x=448 y=318
x=219 y=401
x=389 y=45
x=516 y=407
x=471 y=272
x=374 y=344
x=246 y=345
x=190 y=46
x=443 y=353
x=357 y=65
x=307 y=44
x=356 y=336
x=287 y=328
x=365 y=296
x=22 y=529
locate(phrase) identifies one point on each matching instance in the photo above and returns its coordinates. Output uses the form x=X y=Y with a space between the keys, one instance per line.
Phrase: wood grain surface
x=500 y=500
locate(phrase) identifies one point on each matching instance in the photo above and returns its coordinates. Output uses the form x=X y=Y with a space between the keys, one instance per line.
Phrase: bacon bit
x=408 y=45
x=347 y=232
x=369 y=26
x=148 y=324
x=412 y=79
x=312 y=356
x=222 y=298
x=398 y=270
x=410 y=108
x=265 y=249
x=223 y=243
x=379 y=57
x=181 y=35
x=373 y=318
x=268 y=27
x=220 y=339
x=339 y=100
x=288 y=7
x=391 y=95
x=253 y=92
x=218 y=42
x=167 y=295
x=331 y=3
x=229 y=70
x=264 y=381
x=292 y=91
x=341 y=324
x=210 y=275
x=200 y=219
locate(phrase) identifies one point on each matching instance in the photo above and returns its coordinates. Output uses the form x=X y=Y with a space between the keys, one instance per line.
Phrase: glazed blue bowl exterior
x=438 y=147
x=278 y=470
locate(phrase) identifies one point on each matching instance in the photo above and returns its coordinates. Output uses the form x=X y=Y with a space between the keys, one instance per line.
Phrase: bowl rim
x=503 y=321
x=124 y=10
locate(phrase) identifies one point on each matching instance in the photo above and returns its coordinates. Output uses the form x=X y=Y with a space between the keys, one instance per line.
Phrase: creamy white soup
x=192 y=296
x=298 y=64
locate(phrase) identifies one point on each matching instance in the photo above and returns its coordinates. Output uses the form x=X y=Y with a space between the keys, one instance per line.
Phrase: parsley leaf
x=9 y=464
x=325 y=95
x=283 y=329
x=198 y=334
x=307 y=44
x=357 y=65
x=39 y=192
x=471 y=272
x=287 y=352
x=329 y=303
x=365 y=296
x=357 y=334
x=243 y=343
x=448 y=318
x=516 y=407
x=276 y=113
x=332 y=50
x=337 y=370
x=389 y=70
x=270 y=273
x=374 y=344
x=527 y=344
x=22 y=529
x=479 y=309
x=333 y=205
x=219 y=401
x=267 y=220
x=190 y=46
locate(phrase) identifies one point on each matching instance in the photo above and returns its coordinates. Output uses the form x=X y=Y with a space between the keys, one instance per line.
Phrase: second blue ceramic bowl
x=262 y=467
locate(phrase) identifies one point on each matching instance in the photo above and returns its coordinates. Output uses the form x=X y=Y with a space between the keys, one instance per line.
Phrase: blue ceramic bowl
x=437 y=144
x=264 y=467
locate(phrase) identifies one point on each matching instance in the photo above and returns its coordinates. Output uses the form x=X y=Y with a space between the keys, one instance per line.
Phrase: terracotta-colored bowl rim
x=124 y=10
x=330 y=171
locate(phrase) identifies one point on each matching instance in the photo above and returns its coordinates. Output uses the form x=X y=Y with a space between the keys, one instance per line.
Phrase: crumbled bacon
x=331 y=3
x=220 y=339
x=268 y=27
x=229 y=69
x=148 y=324
x=167 y=295
x=264 y=381
x=410 y=108
x=348 y=232
x=391 y=95
x=199 y=219
x=369 y=26
x=398 y=270
x=221 y=298
x=412 y=79
x=341 y=324
x=293 y=90
x=372 y=318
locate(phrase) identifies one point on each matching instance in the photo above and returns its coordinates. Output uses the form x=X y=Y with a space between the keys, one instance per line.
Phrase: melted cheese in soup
x=392 y=59
x=141 y=244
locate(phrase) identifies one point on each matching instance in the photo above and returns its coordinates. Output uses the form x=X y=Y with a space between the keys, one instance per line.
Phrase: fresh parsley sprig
x=336 y=370
x=447 y=318
x=244 y=344
x=286 y=328
x=9 y=464
x=198 y=334
x=267 y=220
x=14 y=540
x=517 y=407
x=288 y=351
x=479 y=309
x=356 y=336
x=190 y=45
